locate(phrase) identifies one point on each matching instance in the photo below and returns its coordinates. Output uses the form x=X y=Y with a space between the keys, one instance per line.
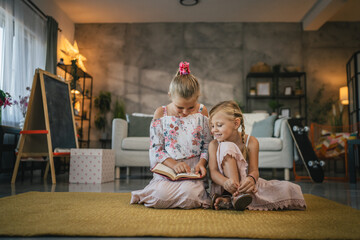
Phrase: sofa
x=130 y=141
x=276 y=146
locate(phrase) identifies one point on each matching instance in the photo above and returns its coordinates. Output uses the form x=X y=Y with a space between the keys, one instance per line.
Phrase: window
x=1 y=49
x=22 y=50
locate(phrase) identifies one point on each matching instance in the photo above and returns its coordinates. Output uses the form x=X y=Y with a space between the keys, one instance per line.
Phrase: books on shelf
x=170 y=174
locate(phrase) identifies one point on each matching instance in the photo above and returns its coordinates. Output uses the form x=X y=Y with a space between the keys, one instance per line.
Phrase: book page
x=189 y=175
x=161 y=168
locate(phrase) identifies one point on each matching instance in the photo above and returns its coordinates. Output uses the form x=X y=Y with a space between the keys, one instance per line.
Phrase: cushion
x=139 y=126
x=136 y=143
x=277 y=127
x=250 y=118
x=264 y=128
x=270 y=144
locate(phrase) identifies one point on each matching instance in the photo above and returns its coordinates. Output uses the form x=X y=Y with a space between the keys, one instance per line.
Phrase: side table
x=105 y=143
x=353 y=155
x=8 y=147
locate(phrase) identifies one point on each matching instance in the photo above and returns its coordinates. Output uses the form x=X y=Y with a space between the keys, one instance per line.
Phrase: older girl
x=179 y=135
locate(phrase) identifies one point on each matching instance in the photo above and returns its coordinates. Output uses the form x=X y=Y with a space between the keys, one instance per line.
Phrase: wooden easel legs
x=50 y=164
x=52 y=168
x=16 y=168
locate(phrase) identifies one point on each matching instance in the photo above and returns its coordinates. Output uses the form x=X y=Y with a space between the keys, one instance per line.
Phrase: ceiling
x=311 y=13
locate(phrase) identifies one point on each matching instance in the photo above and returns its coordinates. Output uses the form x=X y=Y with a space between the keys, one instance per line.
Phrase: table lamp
x=344 y=95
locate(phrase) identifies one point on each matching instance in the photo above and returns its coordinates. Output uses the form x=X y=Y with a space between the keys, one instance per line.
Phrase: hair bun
x=184 y=68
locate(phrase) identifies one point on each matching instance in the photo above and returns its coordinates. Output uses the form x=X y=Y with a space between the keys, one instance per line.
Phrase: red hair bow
x=184 y=68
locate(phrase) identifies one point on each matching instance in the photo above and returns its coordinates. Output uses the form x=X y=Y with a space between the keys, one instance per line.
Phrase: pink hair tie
x=184 y=68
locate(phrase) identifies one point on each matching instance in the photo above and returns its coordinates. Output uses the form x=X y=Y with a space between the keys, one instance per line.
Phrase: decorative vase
x=21 y=124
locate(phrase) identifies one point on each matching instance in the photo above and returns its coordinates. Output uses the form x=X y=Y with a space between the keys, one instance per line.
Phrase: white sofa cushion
x=277 y=126
x=250 y=118
x=136 y=143
x=270 y=144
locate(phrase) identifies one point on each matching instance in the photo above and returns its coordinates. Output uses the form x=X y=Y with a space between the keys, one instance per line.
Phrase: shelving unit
x=82 y=103
x=271 y=86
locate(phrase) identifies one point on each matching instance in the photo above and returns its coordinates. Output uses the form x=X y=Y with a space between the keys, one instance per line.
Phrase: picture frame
x=288 y=91
x=263 y=88
x=285 y=112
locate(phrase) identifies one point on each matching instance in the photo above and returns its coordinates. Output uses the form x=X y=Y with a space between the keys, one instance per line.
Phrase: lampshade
x=344 y=97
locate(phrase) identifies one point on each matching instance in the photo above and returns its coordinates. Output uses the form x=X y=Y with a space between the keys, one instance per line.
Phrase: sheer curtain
x=23 y=50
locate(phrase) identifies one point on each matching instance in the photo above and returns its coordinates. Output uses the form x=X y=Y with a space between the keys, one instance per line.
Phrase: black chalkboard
x=60 y=114
x=49 y=121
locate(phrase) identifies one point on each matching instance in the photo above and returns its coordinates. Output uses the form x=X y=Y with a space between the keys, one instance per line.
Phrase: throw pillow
x=264 y=128
x=139 y=126
x=277 y=127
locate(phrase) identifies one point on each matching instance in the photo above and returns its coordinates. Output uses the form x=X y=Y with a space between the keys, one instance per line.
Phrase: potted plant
x=298 y=90
x=102 y=102
x=73 y=73
x=5 y=100
x=119 y=109
x=241 y=106
x=275 y=105
x=23 y=104
x=319 y=108
x=337 y=120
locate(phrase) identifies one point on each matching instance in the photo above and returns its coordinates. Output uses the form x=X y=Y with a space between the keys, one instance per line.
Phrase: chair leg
x=127 y=171
x=286 y=174
x=117 y=172
x=274 y=173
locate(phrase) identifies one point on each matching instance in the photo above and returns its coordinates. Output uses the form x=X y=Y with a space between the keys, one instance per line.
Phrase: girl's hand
x=182 y=167
x=231 y=186
x=248 y=186
x=200 y=168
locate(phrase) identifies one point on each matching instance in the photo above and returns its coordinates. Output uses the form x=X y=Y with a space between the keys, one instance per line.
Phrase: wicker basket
x=260 y=67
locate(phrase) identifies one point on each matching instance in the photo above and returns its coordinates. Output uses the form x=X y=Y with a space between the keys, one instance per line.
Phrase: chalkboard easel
x=49 y=121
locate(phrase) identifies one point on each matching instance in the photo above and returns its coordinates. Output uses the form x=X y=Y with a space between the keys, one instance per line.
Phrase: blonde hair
x=184 y=86
x=232 y=109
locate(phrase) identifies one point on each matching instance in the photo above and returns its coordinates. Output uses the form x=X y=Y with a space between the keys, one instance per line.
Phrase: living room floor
x=341 y=192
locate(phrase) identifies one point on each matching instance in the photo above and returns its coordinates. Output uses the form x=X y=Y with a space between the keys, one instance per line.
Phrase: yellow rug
x=110 y=214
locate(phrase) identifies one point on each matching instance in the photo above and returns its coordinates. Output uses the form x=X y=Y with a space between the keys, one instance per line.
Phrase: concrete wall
x=136 y=62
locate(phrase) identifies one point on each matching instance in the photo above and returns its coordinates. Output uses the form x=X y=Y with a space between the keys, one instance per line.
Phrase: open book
x=170 y=174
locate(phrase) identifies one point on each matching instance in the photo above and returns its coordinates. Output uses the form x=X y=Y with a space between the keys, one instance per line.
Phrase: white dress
x=183 y=139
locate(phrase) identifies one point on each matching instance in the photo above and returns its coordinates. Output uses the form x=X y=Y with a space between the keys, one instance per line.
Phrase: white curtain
x=23 y=50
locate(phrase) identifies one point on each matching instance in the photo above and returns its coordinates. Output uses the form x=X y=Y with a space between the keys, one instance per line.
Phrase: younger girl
x=233 y=166
x=179 y=135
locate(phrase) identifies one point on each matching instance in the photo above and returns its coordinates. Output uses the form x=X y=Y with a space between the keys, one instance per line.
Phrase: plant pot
x=104 y=135
x=298 y=91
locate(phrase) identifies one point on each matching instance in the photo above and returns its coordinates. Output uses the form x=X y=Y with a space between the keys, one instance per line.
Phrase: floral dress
x=183 y=139
x=270 y=195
